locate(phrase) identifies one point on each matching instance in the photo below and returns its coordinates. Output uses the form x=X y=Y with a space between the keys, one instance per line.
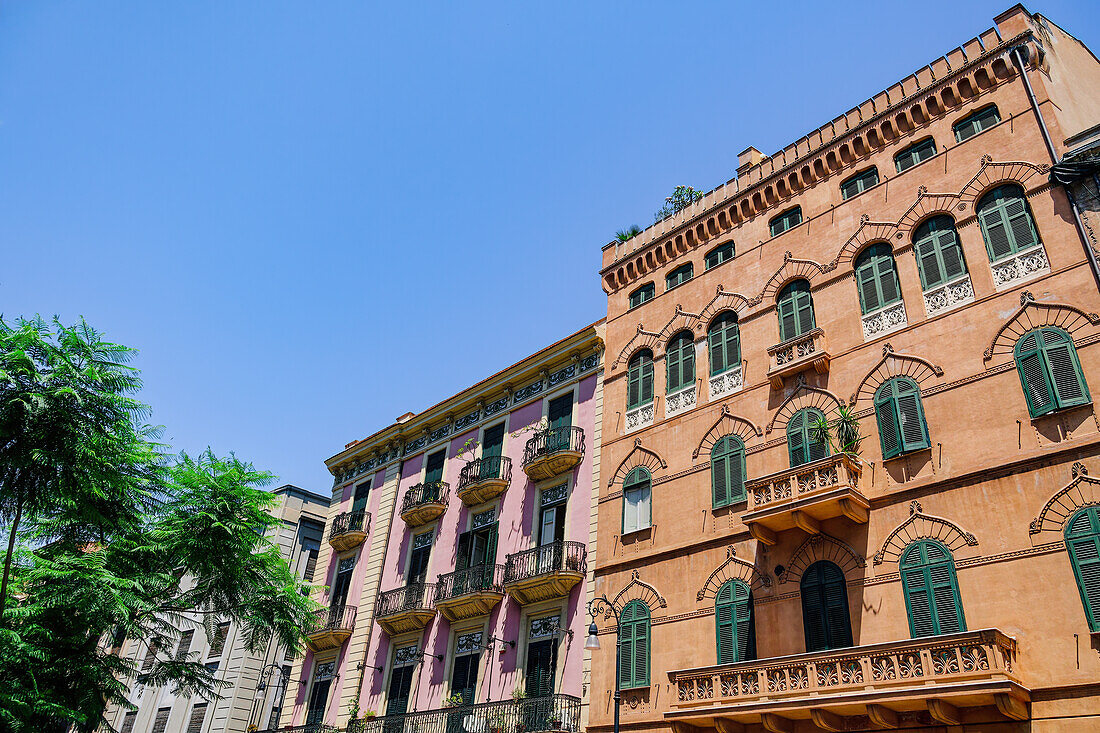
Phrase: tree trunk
x=7 y=560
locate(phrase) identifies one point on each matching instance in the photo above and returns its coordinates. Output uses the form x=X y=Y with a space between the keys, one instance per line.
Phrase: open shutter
x=672 y=367
x=815 y=449
x=795 y=439
x=491 y=549
x=634 y=383
x=805 y=312
x=462 y=554
x=719 y=472
x=788 y=322
x=1083 y=543
x=646 y=391
x=914 y=432
x=724 y=620
x=1033 y=376
x=888 y=431
x=1065 y=372
x=868 y=287
x=918 y=602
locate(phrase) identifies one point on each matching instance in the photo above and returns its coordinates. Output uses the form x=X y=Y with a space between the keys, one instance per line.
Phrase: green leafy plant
x=369 y=714
x=681 y=198
x=841 y=434
x=625 y=235
x=453 y=701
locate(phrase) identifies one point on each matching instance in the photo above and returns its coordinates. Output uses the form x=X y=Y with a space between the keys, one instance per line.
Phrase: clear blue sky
x=313 y=217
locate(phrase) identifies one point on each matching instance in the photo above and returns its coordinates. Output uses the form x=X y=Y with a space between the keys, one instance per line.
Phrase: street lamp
x=595 y=607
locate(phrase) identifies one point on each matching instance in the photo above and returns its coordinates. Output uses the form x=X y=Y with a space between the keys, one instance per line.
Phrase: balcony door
x=418 y=558
x=433 y=471
x=362 y=491
x=318 y=695
x=342 y=584
x=825 y=607
x=397 y=695
x=542 y=657
x=551 y=529
x=464 y=675
x=477 y=553
x=560 y=415
x=492 y=447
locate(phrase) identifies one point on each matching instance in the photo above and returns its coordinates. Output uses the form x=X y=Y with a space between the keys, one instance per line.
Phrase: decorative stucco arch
x=821 y=547
x=921 y=526
x=724 y=301
x=868 y=232
x=731 y=568
x=926 y=206
x=639 y=590
x=793 y=268
x=893 y=364
x=991 y=175
x=681 y=321
x=643 y=339
x=638 y=456
x=804 y=395
x=1034 y=314
x=1082 y=491
x=727 y=424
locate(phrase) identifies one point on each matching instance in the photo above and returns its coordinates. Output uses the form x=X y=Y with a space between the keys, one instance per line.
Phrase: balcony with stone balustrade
x=952 y=679
x=804 y=497
x=798 y=354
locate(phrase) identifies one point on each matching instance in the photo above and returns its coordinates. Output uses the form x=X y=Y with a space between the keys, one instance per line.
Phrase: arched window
x=1006 y=223
x=877 y=278
x=825 y=612
x=727 y=471
x=679 y=362
x=637 y=495
x=800 y=443
x=634 y=646
x=639 y=380
x=641 y=295
x=734 y=623
x=718 y=255
x=796 y=310
x=939 y=256
x=900 y=414
x=724 y=343
x=789 y=219
x=1083 y=543
x=1049 y=371
x=679 y=276
x=931 y=590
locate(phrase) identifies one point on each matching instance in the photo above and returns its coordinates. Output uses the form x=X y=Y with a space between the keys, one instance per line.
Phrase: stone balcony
x=331 y=627
x=348 y=530
x=545 y=572
x=469 y=593
x=424 y=502
x=553 y=452
x=937 y=680
x=803 y=497
x=483 y=479
x=787 y=359
x=404 y=609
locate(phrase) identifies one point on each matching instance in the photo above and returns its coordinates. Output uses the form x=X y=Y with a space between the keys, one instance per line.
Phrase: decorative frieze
x=1020 y=267
x=639 y=417
x=590 y=362
x=726 y=383
x=414 y=445
x=554 y=495
x=424 y=539
x=527 y=392
x=884 y=321
x=483 y=519
x=467 y=420
x=949 y=295
x=543 y=628
x=468 y=643
x=496 y=406
x=677 y=402
x=563 y=374
x=406 y=655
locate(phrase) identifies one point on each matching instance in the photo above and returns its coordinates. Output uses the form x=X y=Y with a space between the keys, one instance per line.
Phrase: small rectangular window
x=128 y=722
x=642 y=294
x=679 y=276
x=160 y=723
x=914 y=154
x=718 y=255
x=636 y=513
x=217 y=644
x=787 y=220
x=859 y=183
x=981 y=120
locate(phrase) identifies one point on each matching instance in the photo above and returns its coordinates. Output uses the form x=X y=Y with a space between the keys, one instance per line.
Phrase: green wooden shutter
x=641 y=651
x=796 y=310
x=640 y=379
x=815 y=449
x=736 y=475
x=725 y=614
x=718 y=255
x=931 y=590
x=1033 y=376
x=928 y=264
x=885 y=413
x=716 y=347
x=680 y=363
x=725 y=344
x=813 y=612
x=1064 y=369
x=743 y=621
x=939 y=256
x=719 y=472
x=646 y=388
x=462 y=552
x=1083 y=544
x=805 y=312
x=634 y=645
x=867 y=283
x=886 y=275
x=1006 y=223
x=836 y=606
x=825 y=607
x=913 y=430
x=796 y=437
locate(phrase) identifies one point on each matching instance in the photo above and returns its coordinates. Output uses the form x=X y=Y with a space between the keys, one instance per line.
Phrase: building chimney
x=748 y=158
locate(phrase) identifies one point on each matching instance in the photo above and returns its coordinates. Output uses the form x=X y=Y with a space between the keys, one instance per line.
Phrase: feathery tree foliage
x=111 y=544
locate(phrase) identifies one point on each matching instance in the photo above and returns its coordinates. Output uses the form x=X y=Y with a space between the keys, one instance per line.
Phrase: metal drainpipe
x=1019 y=54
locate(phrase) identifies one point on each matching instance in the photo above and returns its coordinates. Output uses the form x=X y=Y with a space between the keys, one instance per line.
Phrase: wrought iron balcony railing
x=545 y=559
x=485 y=469
x=411 y=597
x=429 y=492
x=474 y=579
x=533 y=714
x=308 y=728
x=334 y=618
x=554 y=440
x=357 y=521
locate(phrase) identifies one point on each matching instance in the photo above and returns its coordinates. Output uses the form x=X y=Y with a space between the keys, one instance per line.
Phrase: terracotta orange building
x=908 y=267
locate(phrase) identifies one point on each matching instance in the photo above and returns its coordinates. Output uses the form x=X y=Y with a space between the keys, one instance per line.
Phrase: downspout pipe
x=1020 y=55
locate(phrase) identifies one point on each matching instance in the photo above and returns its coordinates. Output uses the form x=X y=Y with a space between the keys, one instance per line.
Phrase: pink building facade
x=456 y=560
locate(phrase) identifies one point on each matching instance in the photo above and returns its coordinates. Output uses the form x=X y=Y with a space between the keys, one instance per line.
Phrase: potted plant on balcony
x=554 y=721
x=369 y=715
x=497 y=723
x=841 y=434
x=453 y=701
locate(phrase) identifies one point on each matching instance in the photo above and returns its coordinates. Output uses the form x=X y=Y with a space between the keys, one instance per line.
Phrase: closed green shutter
x=939 y=256
x=680 y=363
x=1083 y=544
x=724 y=342
x=877 y=278
x=640 y=379
x=719 y=472
x=733 y=623
x=796 y=310
x=727 y=467
x=634 y=645
x=1050 y=371
x=900 y=415
x=931 y=590
x=825 y=611
x=914 y=154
